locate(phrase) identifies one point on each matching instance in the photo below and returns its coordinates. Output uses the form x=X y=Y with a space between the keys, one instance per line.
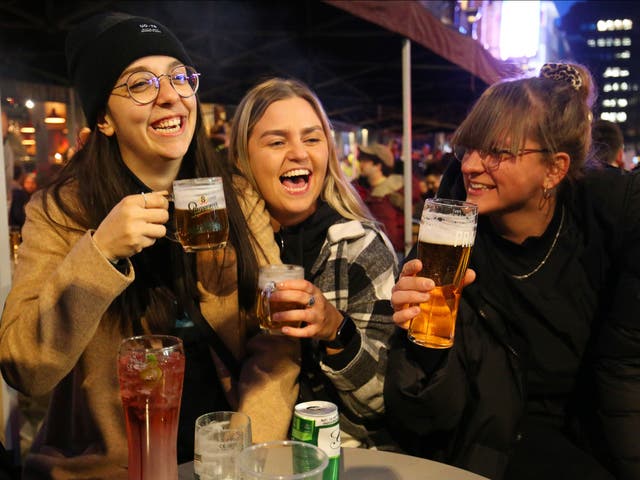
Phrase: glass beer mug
x=447 y=233
x=268 y=277
x=200 y=214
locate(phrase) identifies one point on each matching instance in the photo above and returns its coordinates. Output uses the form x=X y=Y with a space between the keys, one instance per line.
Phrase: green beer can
x=317 y=422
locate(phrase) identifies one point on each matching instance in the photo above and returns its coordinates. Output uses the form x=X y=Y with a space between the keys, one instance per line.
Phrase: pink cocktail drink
x=151 y=371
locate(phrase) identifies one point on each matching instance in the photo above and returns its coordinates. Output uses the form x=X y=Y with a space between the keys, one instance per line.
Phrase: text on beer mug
x=200 y=214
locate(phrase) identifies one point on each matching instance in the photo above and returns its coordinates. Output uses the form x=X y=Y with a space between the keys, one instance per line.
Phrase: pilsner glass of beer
x=447 y=232
x=200 y=214
x=268 y=278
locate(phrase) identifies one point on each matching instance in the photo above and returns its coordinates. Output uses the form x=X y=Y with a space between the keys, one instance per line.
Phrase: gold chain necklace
x=546 y=257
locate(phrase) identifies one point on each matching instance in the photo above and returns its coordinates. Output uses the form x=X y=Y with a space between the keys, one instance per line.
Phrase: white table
x=363 y=464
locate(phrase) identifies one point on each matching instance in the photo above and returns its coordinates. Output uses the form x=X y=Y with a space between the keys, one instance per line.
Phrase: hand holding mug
x=286 y=300
x=200 y=214
x=135 y=223
x=268 y=303
x=320 y=318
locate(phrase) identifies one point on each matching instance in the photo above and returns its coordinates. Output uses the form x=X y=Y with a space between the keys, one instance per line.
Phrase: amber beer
x=447 y=232
x=268 y=277
x=204 y=229
x=200 y=214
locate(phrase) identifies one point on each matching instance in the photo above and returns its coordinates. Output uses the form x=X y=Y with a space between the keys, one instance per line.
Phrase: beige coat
x=55 y=335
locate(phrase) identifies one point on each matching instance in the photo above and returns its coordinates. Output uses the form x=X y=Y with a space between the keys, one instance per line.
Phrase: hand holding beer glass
x=200 y=214
x=268 y=278
x=447 y=232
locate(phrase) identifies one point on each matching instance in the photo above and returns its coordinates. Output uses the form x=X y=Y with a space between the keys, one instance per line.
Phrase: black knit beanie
x=99 y=49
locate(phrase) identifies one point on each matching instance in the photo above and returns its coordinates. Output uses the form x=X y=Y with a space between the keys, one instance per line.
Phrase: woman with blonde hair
x=281 y=139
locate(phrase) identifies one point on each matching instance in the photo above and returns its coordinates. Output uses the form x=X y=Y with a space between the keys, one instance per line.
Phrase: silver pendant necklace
x=546 y=257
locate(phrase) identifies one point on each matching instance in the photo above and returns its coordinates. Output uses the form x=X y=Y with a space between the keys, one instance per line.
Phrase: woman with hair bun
x=543 y=379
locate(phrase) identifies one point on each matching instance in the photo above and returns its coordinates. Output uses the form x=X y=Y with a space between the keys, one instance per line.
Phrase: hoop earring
x=546 y=193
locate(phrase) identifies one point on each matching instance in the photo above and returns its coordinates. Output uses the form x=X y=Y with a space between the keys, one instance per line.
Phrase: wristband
x=344 y=335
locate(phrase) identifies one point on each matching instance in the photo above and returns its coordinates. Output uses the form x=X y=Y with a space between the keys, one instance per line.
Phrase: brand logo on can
x=317 y=422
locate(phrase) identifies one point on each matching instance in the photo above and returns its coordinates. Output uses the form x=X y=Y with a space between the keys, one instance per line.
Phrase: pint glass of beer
x=200 y=214
x=447 y=232
x=268 y=278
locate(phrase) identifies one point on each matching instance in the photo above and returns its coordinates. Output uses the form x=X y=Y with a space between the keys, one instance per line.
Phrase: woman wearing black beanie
x=95 y=265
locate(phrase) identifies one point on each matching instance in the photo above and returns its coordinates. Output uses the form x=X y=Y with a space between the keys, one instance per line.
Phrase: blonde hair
x=337 y=191
x=553 y=109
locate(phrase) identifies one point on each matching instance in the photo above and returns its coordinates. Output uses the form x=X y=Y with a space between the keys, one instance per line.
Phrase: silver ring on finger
x=144 y=199
x=311 y=302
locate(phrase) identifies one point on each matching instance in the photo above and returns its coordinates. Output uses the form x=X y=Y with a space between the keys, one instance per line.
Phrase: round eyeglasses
x=143 y=87
x=491 y=159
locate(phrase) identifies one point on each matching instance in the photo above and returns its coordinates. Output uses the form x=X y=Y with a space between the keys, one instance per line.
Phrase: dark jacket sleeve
x=617 y=367
x=424 y=388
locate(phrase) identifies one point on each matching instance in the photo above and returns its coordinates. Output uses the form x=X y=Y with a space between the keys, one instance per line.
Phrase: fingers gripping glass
x=491 y=159
x=143 y=87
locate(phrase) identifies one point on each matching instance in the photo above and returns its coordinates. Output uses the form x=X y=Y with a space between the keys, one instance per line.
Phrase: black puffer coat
x=543 y=380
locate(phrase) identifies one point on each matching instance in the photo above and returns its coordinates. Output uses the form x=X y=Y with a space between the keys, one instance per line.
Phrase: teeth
x=169 y=125
x=295 y=189
x=297 y=173
x=478 y=186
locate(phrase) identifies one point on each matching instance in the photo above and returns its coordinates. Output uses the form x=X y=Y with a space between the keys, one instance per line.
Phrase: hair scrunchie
x=562 y=72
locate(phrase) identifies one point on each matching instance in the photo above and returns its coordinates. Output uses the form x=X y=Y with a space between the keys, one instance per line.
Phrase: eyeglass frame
x=503 y=155
x=156 y=83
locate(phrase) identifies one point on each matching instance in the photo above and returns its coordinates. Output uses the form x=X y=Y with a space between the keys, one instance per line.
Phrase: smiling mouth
x=479 y=186
x=296 y=180
x=170 y=125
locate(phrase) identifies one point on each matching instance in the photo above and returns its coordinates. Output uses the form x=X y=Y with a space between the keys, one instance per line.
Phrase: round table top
x=364 y=464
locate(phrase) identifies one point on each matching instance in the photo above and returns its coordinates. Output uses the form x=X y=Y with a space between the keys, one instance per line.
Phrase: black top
x=548 y=313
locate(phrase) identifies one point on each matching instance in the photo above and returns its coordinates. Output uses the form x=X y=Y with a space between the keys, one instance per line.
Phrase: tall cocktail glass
x=151 y=371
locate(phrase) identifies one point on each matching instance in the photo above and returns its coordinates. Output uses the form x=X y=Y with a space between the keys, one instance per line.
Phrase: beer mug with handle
x=268 y=277
x=447 y=232
x=200 y=214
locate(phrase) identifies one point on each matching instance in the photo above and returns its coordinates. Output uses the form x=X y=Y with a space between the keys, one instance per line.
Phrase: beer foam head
x=454 y=230
x=279 y=273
